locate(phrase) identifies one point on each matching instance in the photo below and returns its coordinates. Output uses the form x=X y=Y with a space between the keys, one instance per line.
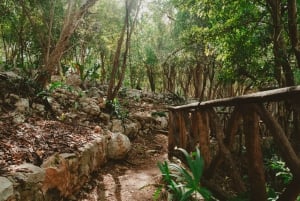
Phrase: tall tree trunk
x=293 y=30
x=151 y=77
x=113 y=88
x=279 y=46
x=172 y=78
x=103 y=70
x=198 y=80
x=71 y=21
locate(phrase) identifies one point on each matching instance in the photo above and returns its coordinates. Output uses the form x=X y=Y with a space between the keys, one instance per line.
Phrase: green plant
x=184 y=184
x=281 y=170
x=88 y=72
x=272 y=194
x=157 y=193
x=52 y=86
x=282 y=173
x=297 y=76
x=116 y=109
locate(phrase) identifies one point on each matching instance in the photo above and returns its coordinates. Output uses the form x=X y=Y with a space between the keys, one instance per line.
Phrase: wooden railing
x=201 y=125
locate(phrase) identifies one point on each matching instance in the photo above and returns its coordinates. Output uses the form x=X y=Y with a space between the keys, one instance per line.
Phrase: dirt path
x=133 y=179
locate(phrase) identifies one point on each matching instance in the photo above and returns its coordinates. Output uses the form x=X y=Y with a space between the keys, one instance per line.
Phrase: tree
x=279 y=45
x=127 y=29
x=293 y=29
x=71 y=21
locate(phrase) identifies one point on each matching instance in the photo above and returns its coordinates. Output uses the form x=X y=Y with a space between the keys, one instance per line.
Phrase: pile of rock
x=64 y=173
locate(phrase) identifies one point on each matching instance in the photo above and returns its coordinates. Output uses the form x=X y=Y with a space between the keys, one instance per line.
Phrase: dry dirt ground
x=133 y=179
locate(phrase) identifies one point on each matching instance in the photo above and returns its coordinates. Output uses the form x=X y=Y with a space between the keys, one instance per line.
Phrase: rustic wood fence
x=196 y=124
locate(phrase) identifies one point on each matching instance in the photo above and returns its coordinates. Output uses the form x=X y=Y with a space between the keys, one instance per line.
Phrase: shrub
x=184 y=184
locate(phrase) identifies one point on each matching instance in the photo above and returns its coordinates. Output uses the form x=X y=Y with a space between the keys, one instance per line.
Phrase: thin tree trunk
x=127 y=45
x=103 y=70
x=113 y=88
x=50 y=32
x=116 y=61
x=293 y=30
x=279 y=46
x=151 y=77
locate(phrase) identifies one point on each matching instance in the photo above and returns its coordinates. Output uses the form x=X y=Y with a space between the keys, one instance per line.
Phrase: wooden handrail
x=194 y=124
x=258 y=97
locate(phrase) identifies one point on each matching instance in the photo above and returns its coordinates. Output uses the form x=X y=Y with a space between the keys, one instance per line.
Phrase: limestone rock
x=67 y=172
x=117 y=126
x=10 y=75
x=58 y=174
x=29 y=173
x=90 y=106
x=134 y=94
x=132 y=129
x=162 y=122
x=6 y=189
x=55 y=105
x=22 y=105
x=95 y=92
x=18 y=118
x=118 y=146
x=39 y=108
x=105 y=118
x=93 y=155
x=73 y=80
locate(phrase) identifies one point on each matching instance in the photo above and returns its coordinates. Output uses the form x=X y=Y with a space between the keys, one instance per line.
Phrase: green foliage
x=272 y=194
x=236 y=34
x=157 y=193
x=297 y=76
x=59 y=84
x=53 y=86
x=25 y=29
x=116 y=109
x=281 y=171
x=183 y=184
x=88 y=72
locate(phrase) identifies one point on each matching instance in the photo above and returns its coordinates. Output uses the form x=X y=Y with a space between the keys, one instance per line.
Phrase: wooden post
x=177 y=136
x=254 y=155
x=232 y=128
x=183 y=133
x=172 y=132
x=200 y=134
x=284 y=146
x=286 y=151
x=225 y=152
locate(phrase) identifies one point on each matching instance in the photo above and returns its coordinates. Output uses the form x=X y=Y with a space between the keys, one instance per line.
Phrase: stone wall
x=60 y=175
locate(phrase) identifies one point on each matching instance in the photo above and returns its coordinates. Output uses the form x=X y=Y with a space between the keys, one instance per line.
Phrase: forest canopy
x=196 y=48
